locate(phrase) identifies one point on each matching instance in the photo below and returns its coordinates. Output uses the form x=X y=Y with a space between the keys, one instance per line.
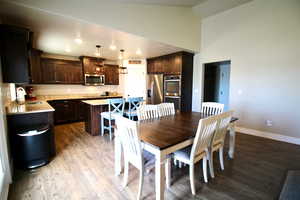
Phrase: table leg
x=118 y=155
x=168 y=172
x=159 y=176
x=231 y=140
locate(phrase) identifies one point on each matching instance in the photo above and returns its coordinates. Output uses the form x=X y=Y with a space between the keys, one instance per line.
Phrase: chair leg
x=204 y=162
x=110 y=132
x=221 y=158
x=211 y=164
x=126 y=171
x=102 y=126
x=141 y=184
x=168 y=172
x=192 y=178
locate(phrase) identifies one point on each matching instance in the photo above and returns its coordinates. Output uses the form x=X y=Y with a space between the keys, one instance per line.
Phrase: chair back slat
x=166 y=109
x=204 y=135
x=212 y=108
x=147 y=111
x=222 y=126
x=128 y=134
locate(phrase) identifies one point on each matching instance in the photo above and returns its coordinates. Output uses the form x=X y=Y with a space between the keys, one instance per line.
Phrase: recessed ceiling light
x=113 y=47
x=138 y=52
x=67 y=50
x=78 y=40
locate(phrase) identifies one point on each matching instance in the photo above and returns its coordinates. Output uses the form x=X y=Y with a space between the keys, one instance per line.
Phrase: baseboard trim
x=269 y=135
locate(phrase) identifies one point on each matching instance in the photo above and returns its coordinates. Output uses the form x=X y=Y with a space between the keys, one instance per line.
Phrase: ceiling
x=185 y=3
x=55 y=34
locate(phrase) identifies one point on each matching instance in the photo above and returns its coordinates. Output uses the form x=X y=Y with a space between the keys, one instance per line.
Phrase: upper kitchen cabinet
x=61 y=71
x=14 y=54
x=36 y=75
x=111 y=74
x=92 y=65
x=169 y=64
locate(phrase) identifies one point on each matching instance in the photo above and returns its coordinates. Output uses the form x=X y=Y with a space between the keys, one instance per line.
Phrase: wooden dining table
x=165 y=135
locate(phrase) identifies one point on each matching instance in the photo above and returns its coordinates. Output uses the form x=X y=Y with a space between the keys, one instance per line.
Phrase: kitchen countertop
x=96 y=102
x=79 y=96
x=28 y=107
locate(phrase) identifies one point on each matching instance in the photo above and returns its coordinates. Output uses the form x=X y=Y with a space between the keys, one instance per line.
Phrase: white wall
x=134 y=83
x=172 y=25
x=262 y=40
x=4 y=155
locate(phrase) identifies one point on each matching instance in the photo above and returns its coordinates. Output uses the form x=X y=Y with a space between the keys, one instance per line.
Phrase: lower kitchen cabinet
x=66 y=111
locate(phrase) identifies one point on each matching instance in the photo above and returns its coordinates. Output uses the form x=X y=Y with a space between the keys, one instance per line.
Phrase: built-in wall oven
x=94 y=79
x=172 y=90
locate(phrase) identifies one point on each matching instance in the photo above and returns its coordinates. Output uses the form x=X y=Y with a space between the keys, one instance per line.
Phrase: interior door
x=224 y=80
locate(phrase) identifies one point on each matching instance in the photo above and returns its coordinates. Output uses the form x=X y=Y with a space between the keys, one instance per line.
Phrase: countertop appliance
x=155 y=88
x=94 y=79
x=20 y=95
x=172 y=90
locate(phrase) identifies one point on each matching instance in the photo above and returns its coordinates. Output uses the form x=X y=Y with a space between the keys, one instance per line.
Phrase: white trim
x=269 y=135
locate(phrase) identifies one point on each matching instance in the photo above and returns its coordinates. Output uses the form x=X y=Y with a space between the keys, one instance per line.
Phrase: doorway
x=216 y=83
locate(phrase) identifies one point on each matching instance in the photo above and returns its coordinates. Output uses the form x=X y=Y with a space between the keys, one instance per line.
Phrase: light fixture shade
x=122 y=69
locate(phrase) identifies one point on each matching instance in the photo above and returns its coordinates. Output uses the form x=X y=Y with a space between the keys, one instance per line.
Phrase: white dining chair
x=199 y=149
x=166 y=109
x=212 y=108
x=132 y=149
x=219 y=138
x=147 y=111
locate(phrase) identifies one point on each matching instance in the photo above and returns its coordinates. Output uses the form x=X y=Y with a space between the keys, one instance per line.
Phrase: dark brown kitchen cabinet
x=92 y=65
x=111 y=74
x=61 y=71
x=35 y=68
x=14 y=54
x=167 y=64
x=65 y=111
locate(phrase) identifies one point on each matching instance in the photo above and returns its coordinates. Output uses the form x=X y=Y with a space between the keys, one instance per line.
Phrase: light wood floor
x=83 y=169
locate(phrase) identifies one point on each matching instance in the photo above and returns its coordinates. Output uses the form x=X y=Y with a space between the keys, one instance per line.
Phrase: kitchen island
x=93 y=110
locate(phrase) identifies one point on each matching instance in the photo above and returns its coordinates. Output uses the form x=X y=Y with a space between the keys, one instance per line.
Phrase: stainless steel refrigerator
x=155 y=88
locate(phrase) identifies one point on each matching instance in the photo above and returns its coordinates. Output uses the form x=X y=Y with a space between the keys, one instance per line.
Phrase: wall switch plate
x=269 y=123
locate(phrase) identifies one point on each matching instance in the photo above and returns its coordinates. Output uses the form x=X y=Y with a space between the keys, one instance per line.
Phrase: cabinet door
x=175 y=63
x=92 y=65
x=36 y=75
x=76 y=74
x=158 y=66
x=111 y=74
x=65 y=111
x=115 y=72
x=14 y=54
x=48 y=70
x=150 y=66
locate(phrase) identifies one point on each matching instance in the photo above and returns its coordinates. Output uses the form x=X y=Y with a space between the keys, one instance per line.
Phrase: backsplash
x=73 y=89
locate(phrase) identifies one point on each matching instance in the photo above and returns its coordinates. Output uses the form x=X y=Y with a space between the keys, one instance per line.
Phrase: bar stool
x=134 y=103
x=115 y=107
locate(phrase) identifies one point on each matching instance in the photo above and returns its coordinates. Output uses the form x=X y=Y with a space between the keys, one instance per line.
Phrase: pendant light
x=98 y=54
x=122 y=69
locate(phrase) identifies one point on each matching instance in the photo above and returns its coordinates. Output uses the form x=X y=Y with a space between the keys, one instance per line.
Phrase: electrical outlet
x=269 y=123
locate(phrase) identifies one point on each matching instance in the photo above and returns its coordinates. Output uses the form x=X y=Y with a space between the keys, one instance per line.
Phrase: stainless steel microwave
x=94 y=79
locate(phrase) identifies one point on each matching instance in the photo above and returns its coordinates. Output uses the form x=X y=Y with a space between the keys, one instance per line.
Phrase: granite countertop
x=74 y=96
x=96 y=102
x=28 y=107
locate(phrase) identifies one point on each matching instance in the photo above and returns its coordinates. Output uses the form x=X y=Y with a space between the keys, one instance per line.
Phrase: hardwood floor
x=84 y=169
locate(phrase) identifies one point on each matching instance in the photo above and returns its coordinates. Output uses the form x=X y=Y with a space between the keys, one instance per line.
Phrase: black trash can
x=33 y=146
